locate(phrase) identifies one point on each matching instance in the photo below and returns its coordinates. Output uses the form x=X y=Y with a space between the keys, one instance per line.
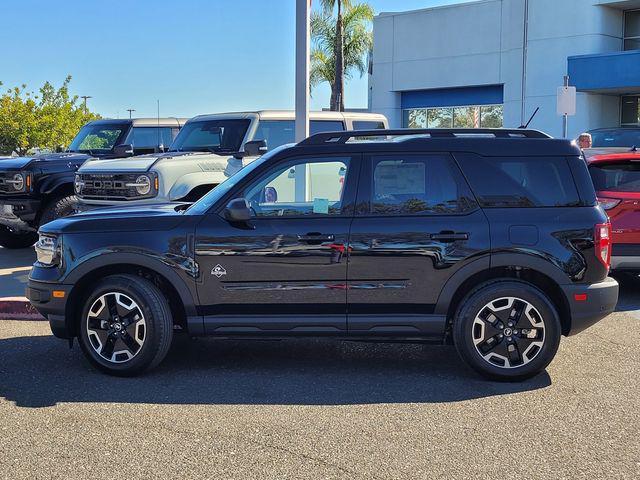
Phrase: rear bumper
x=625 y=256
x=52 y=307
x=601 y=299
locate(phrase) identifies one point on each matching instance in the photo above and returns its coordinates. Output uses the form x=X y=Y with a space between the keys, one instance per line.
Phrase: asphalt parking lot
x=321 y=409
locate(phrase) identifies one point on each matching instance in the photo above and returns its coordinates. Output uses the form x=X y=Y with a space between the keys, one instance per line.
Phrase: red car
x=616 y=177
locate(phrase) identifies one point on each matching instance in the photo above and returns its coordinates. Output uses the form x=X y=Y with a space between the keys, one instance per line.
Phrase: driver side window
x=309 y=187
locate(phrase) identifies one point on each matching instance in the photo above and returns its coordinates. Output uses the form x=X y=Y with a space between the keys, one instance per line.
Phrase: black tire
x=14 y=240
x=157 y=331
x=522 y=357
x=59 y=207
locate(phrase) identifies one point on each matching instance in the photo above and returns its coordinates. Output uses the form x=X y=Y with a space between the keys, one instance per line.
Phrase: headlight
x=49 y=250
x=18 y=182
x=78 y=184
x=142 y=185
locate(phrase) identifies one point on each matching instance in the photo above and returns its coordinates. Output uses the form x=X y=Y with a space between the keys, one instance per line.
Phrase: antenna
x=525 y=126
x=160 y=146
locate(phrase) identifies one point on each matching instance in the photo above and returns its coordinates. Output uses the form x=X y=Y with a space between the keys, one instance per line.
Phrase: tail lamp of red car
x=603 y=243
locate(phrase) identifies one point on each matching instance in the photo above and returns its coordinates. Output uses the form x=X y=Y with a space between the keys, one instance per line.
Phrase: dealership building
x=493 y=62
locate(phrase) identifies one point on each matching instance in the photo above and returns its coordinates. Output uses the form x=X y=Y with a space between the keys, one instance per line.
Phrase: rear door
x=416 y=224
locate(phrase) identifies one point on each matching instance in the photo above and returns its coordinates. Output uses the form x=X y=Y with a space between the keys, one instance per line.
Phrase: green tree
x=340 y=45
x=49 y=119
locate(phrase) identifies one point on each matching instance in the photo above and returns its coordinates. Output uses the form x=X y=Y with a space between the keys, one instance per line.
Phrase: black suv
x=488 y=239
x=36 y=190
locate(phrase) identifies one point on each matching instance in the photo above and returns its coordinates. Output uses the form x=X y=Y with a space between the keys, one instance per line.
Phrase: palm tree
x=341 y=44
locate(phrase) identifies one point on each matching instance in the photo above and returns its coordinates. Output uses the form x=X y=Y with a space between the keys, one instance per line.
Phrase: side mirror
x=123 y=150
x=255 y=148
x=237 y=211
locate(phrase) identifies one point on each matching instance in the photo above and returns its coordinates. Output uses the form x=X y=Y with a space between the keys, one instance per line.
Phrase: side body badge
x=218 y=271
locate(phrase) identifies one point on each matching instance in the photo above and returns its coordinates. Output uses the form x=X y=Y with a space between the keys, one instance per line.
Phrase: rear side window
x=151 y=137
x=501 y=182
x=367 y=125
x=616 y=177
x=280 y=132
x=417 y=184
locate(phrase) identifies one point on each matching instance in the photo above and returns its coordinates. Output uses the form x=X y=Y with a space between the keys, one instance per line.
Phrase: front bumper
x=19 y=214
x=53 y=307
x=589 y=304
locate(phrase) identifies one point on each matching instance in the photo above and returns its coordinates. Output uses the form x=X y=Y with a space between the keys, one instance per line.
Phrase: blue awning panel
x=453 y=97
x=615 y=72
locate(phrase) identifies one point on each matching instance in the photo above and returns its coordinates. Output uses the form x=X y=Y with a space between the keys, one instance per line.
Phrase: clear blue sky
x=196 y=56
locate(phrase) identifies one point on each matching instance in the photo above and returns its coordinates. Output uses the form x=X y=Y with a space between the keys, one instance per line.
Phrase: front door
x=416 y=224
x=285 y=270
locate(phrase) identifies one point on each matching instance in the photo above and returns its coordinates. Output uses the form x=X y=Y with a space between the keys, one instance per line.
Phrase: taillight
x=608 y=203
x=603 y=243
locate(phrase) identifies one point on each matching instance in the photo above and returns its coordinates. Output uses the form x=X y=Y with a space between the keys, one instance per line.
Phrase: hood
x=20 y=163
x=139 y=164
x=119 y=219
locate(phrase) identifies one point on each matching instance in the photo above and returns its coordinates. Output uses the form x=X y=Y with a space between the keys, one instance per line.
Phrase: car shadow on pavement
x=629 y=299
x=40 y=371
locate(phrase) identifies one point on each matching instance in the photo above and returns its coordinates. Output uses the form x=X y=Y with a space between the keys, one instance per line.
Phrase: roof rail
x=344 y=137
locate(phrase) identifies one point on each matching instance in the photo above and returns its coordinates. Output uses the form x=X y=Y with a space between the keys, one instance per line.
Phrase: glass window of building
x=474 y=116
x=631 y=110
x=632 y=30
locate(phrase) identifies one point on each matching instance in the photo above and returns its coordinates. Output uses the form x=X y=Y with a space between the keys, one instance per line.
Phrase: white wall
x=480 y=43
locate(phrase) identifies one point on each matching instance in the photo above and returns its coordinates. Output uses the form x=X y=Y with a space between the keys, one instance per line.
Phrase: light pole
x=130 y=110
x=303 y=42
x=85 y=98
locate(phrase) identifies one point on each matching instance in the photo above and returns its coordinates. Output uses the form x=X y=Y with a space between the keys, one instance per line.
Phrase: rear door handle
x=448 y=237
x=314 y=237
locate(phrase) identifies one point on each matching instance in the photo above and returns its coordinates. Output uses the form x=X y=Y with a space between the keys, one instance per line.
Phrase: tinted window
x=211 y=136
x=280 y=132
x=412 y=184
x=367 y=125
x=520 y=182
x=150 y=137
x=97 y=137
x=620 y=137
x=300 y=187
x=616 y=177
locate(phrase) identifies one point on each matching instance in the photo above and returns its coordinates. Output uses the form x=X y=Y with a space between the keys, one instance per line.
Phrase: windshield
x=211 y=136
x=619 y=137
x=102 y=138
x=205 y=203
x=616 y=177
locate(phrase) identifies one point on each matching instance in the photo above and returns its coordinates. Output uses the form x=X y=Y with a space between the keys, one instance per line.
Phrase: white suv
x=208 y=150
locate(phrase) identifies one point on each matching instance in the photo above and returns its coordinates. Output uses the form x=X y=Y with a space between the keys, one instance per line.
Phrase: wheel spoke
x=130 y=343
x=108 y=347
x=111 y=304
x=517 y=312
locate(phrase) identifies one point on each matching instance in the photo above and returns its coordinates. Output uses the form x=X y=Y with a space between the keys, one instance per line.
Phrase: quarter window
x=310 y=187
x=367 y=125
x=412 y=184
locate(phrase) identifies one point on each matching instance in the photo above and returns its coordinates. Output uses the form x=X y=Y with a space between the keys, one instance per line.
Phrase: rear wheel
x=507 y=330
x=13 y=240
x=126 y=325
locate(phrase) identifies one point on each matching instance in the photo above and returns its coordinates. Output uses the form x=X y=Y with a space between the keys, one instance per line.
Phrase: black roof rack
x=343 y=137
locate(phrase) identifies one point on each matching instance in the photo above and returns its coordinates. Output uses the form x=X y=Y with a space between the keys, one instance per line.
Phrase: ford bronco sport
x=488 y=239
x=208 y=150
x=35 y=190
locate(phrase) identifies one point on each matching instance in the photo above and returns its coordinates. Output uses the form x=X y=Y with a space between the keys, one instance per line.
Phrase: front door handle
x=448 y=237
x=316 y=238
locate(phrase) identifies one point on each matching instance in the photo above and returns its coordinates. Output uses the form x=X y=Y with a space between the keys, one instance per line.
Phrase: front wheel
x=126 y=325
x=13 y=240
x=58 y=208
x=507 y=330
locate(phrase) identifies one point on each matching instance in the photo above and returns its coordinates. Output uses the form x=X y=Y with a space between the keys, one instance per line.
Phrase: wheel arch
x=526 y=268
x=165 y=278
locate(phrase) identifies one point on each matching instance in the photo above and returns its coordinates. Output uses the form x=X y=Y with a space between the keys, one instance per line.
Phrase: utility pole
x=130 y=110
x=303 y=47
x=85 y=98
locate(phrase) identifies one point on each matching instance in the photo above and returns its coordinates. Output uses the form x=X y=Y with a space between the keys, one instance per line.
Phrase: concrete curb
x=18 y=308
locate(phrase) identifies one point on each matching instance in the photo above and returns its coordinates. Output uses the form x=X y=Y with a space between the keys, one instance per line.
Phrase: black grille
x=108 y=186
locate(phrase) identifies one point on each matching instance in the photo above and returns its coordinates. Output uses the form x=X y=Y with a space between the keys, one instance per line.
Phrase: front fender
x=188 y=182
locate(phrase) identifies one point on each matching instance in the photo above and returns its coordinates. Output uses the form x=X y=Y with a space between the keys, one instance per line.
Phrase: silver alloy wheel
x=508 y=332
x=116 y=327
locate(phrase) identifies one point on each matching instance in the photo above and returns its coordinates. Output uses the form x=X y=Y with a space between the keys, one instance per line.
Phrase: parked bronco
x=208 y=150
x=35 y=190
x=488 y=239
